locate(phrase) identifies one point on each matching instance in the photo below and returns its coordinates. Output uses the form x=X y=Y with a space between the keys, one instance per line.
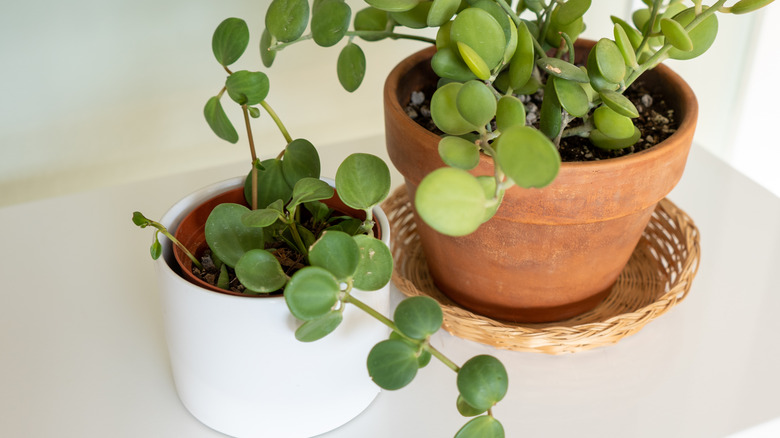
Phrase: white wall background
x=100 y=92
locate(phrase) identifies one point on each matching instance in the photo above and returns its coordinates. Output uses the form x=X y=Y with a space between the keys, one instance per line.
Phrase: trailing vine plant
x=491 y=52
x=285 y=210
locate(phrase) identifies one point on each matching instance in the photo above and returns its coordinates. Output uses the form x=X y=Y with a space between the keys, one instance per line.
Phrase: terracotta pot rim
x=687 y=124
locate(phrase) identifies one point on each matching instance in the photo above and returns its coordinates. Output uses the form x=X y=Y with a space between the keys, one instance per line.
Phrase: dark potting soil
x=656 y=121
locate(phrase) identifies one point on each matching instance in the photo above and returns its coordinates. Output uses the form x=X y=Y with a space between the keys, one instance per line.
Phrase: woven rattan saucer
x=657 y=277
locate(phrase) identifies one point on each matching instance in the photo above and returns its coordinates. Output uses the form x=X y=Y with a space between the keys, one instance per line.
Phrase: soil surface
x=656 y=121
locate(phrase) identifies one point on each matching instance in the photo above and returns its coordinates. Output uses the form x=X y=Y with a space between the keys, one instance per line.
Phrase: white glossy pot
x=237 y=365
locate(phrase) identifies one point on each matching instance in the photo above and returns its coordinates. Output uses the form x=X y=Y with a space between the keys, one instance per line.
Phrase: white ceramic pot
x=237 y=365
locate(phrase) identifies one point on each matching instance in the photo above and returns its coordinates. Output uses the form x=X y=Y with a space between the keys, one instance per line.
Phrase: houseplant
x=277 y=245
x=564 y=230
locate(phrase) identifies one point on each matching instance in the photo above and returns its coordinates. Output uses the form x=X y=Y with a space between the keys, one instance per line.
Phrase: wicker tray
x=657 y=277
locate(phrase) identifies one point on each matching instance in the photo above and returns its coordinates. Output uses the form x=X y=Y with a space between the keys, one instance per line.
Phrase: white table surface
x=82 y=351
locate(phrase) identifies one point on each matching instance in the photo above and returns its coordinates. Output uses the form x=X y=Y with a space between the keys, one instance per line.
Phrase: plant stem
x=176 y=242
x=254 y=155
x=276 y=120
x=388 y=322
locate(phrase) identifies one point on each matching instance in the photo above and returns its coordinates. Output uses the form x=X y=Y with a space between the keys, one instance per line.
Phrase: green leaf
x=371 y=19
x=676 y=35
x=247 y=87
x=414 y=18
x=311 y=293
x=528 y=157
x=451 y=201
x=510 y=111
x=603 y=141
x=266 y=55
x=745 y=6
x=286 y=20
x=458 y=152
x=562 y=69
x=223 y=281
x=478 y=30
x=308 y=190
x=447 y=63
x=481 y=427
x=261 y=218
x=522 y=63
x=156 y=249
x=351 y=67
x=218 y=120
x=423 y=356
x=619 y=103
x=473 y=61
x=444 y=110
x=418 y=317
x=476 y=103
x=330 y=22
x=626 y=47
x=571 y=10
x=633 y=34
x=392 y=364
x=337 y=252
x=572 y=97
x=488 y=184
x=140 y=220
x=612 y=124
x=441 y=12
x=271 y=184
x=300 y=160
x=702 y=36
x=375 y=268
x=608 y=60
x=362 y=181
x=466 y=409
x=550 y=114
x=393 y=5
x=260 y=271
x=230 y=40
x=482 y=381
x=228 y=237
x=317 y=329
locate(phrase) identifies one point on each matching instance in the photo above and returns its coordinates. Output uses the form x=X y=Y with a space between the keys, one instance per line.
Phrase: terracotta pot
x=235 y=361
x=551 y=253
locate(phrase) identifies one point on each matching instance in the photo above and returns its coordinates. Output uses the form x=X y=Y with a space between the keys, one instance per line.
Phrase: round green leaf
x=478 y=30
x=351 y=67
x=554 y=32
x=745 y=6
x=475 y=63
x=619 y=103
x=612 y=124
x=522 y=63
x=337 y=252
x=330 y=22
x=286 y=20
x=423 y=355
x=267 y=55
x=260 y=271
x=156 y=249
x=570 y=11
x=260 y=218
x=609 y=60
x=624 y=44
x=702 y=36
x=562 y=69
x=481 y=427
x=676 y=35
x=510 y=111
x=362 y=181
x=414 y=18
x=476 y=103
x=551 y=113
x=466 y=409
x=371 y=19
x=482 y=381
x=317 y=329
x=375 y=268
x=527 y=156
x=271 y=185
x=603 y=141
x=447 y=63
x=300 y=160
x=634 y=36
x=451 y=201
x=458 y=152
x=230 y=40
x=393 y=5
x=503 y=20
x=444 y=110
x=488 y=184
x=443 y=36
x=218 y=120
x=392 y=364
x=418 y=317
x=228 y=237
x=309 y=190
x=311 y=293
x=572 y=97
x=247 y=87
x=441 y=12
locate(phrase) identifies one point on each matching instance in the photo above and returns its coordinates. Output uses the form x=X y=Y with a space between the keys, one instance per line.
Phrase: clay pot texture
x=552 y=253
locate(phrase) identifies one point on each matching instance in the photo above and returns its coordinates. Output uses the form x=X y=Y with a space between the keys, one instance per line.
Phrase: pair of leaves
x=276 y=178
